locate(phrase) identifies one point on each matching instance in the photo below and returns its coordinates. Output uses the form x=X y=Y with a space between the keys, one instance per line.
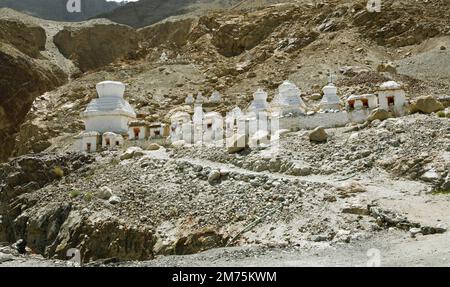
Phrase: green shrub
x=441 y=191
x=88 y=196
x=58 y=171
x=441 y=114
x=74 y=193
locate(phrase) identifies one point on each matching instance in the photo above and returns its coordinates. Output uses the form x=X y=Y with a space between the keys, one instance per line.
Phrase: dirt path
x=389 y=248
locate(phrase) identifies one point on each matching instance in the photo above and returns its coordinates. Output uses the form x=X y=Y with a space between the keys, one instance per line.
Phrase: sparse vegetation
x=441 y=191
x=88 y=196
x=58 y=172
x=441 y=114
x=74 y=193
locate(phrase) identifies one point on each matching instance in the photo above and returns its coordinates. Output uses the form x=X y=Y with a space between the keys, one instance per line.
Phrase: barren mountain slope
x=146 y=12
x=32 y=63
x=235 y=52
x=389 y=176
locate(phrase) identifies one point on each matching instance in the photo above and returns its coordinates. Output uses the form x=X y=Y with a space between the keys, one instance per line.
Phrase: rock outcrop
x=94 y=44
x=426 y=104
x=25 y=175
x=401 y=23
x=170 y=33
x=22 y=79
x=28 y=39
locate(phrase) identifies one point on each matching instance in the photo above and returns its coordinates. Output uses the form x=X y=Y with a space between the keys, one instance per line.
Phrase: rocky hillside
x=235 y=52
x=147 y=12
x=38 y=56
x=25 y=74
x=231 y=51
x=56 y=9
x=138 y=204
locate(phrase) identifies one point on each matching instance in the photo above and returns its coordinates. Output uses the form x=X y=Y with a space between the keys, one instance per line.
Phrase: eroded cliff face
x=94 y=44
x=29 y=39
x=96 y=229
x=22 y=79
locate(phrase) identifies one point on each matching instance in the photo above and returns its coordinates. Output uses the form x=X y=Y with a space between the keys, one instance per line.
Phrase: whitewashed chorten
x=110 y=112
x=330 y=99
x=288 y=100
x=259 y=102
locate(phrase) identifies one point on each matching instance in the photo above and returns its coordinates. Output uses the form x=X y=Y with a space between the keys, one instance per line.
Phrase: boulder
x=387 y=68
x=178 y=143
x=318 y=135
x=431 y=176
x=351 y=71
x=154 y=146
x=355 y=208
x=446 y=184
x=414 y=231
x=213 y=176
x=315 y=97
x=104 y=193
x=426 y=104
x=300 y=170
x=132 y=152
x=114 y=199
x=351 y=187
x=379 y=114
x=20 y=246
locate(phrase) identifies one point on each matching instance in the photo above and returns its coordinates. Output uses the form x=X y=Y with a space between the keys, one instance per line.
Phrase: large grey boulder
x=318 y=135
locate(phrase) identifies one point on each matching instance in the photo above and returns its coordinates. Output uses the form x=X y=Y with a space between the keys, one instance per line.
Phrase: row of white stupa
x=286 y=111
x=288 y=101
x=109 y=117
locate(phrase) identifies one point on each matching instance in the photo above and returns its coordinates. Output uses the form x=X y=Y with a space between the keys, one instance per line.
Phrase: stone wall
x=326 y=120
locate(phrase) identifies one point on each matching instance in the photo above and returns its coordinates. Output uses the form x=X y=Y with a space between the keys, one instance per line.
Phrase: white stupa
x=288 y=100
x=259 y=102
x=198 y=115
x=189 y=100
x=330 y=99
x=110 y=112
